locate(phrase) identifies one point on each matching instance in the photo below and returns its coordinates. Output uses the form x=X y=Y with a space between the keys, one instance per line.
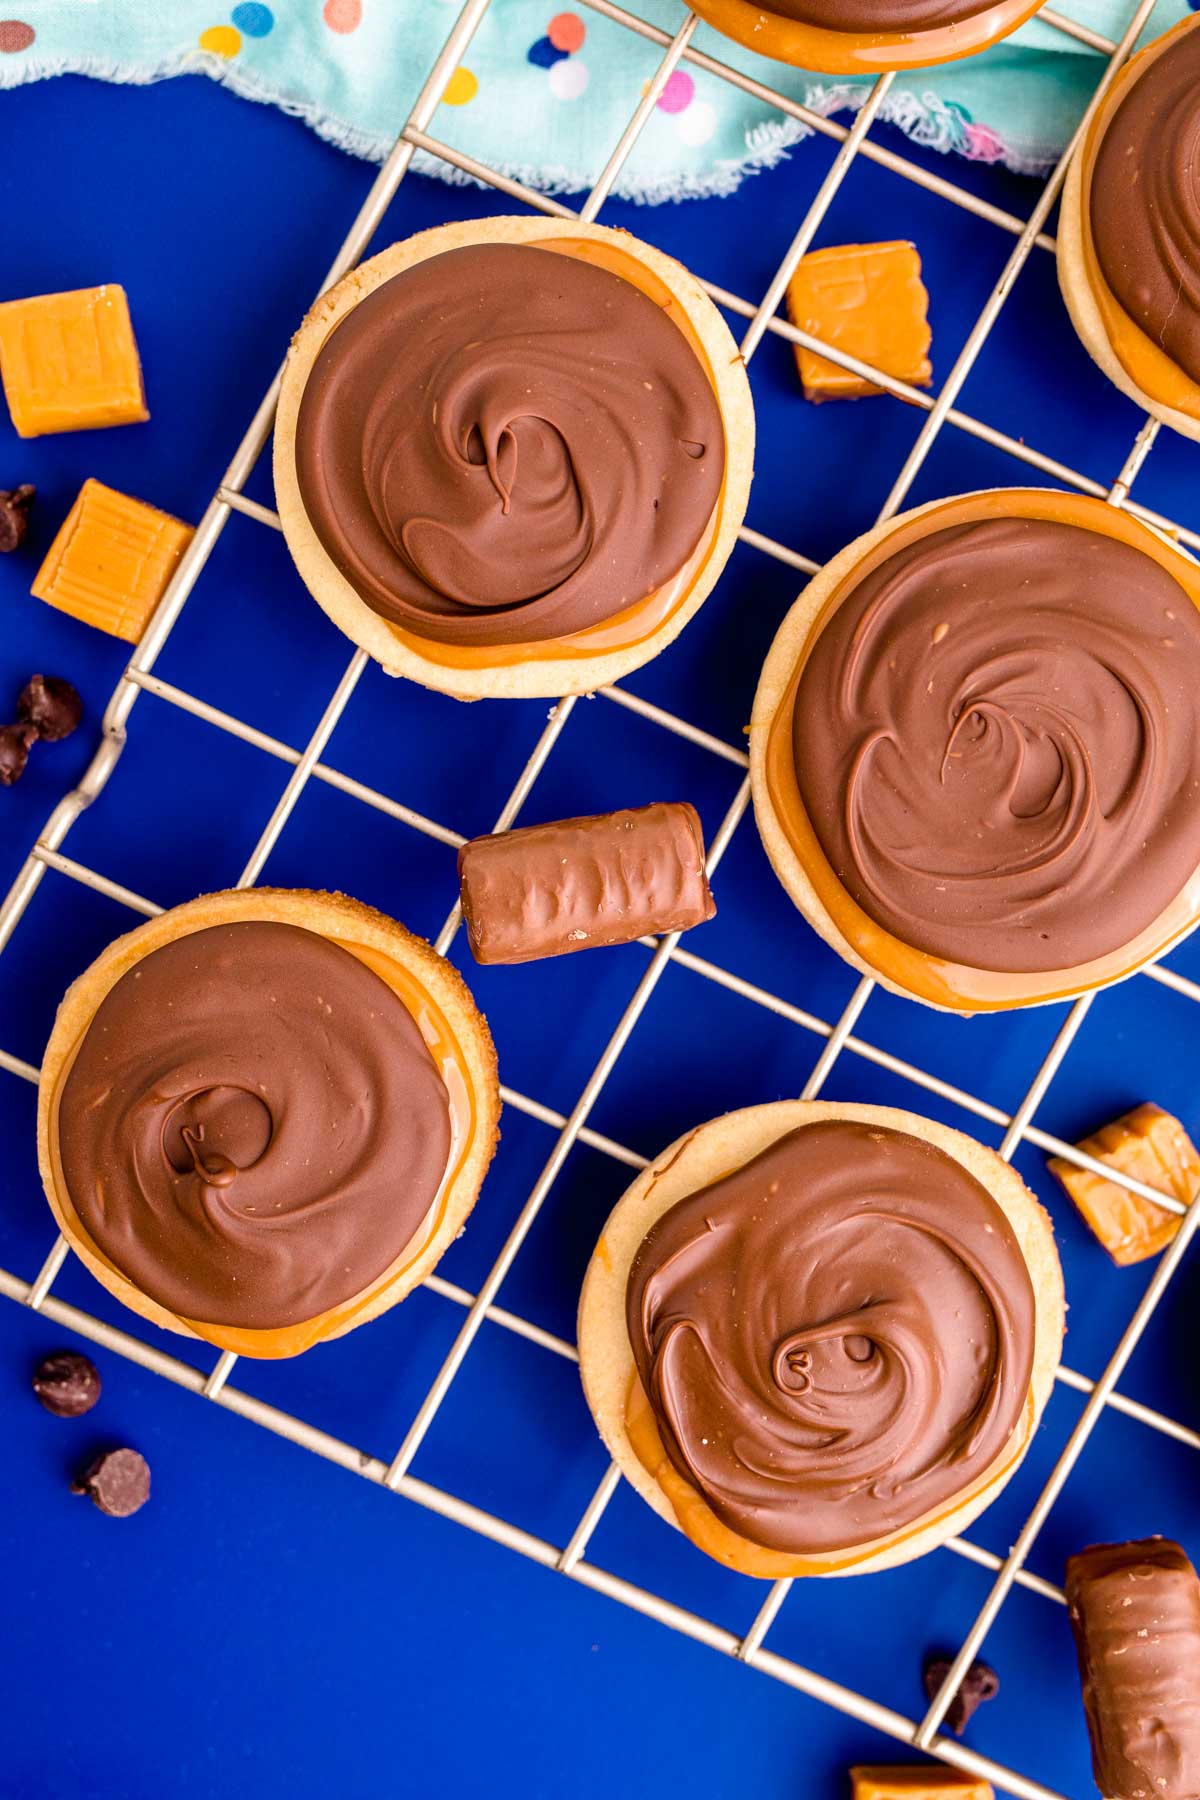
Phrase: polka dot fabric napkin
x=544 y=93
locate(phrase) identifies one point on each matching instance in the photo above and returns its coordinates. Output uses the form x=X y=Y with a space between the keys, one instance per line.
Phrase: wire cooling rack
x=839 y=1037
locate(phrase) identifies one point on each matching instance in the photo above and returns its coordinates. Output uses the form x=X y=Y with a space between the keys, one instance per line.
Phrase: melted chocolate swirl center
x=997 y=741
x=505 y=444
x=836 y=1339
x=253 y=1128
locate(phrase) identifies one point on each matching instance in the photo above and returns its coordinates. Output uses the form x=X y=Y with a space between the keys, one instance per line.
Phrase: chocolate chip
x=980 y=1683
x=117 y=1482
x=14 y=514
x=51 y=706
x=67 y=1384
x=14 y=751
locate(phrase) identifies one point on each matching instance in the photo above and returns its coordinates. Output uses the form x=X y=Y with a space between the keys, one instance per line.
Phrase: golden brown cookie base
x=405 y=961
x=790 y=841
x=860 y=53
x=1133 y=362
x=557 y=667
x=699 y=1158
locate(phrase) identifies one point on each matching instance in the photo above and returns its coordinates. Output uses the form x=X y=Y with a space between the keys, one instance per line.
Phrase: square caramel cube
x=1152 y=1146
x=69 y=362
x=917 y=1781
x=868 y=300
x=111 y=561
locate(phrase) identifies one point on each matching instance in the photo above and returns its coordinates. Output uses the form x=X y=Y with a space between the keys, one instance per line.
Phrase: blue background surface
x=270 y=1625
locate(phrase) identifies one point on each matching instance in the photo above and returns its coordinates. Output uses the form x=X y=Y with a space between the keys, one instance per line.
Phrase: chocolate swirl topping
x=997 y=741
x=836 y=1339
x=1145 y=202
x=871 y=18
x=253 y=1128
x=504 y=444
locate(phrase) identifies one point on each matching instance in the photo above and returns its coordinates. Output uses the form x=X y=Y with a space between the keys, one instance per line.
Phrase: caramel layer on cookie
x=862 y=37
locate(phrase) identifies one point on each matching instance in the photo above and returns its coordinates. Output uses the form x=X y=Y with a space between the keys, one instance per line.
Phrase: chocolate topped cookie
x=1129 y=238
x=513 y=455
x=976 y=749
x=818 y=1337
x=801 y=1329
x=264 y=1115
x=253 y=1127
x=545 y=451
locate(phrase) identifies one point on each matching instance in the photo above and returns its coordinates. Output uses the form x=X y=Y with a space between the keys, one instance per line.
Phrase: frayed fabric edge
x=936 y=124
x=371 y=146
x=926 y=119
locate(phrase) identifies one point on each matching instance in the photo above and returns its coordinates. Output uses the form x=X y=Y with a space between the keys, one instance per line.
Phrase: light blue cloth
x=544 y=92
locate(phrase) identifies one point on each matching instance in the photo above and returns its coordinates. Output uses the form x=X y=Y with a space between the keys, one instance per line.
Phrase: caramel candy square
x=111 y=561
x=69 y=362
x=868 y=300
x=1151 y=1146
x=917 y=1781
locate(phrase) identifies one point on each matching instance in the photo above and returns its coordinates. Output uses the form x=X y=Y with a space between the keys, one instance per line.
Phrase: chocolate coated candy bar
x=1135 y=1612
x=549 y=889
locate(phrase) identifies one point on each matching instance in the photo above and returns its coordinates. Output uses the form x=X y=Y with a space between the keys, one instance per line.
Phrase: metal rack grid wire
x=837 y=1038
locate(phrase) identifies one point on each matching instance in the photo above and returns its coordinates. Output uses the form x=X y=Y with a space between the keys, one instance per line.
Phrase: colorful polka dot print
x=544 y=53
x=15 y=35
x=545 y=87
x=461 y=87
x=695 y=120
x=698 y=123
x=568 y=79
x=221 y=40
x=678 y=91
x=248 y=19
x=560 y=54
x=253 y=20
x=343 y=16
x=565 y=34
